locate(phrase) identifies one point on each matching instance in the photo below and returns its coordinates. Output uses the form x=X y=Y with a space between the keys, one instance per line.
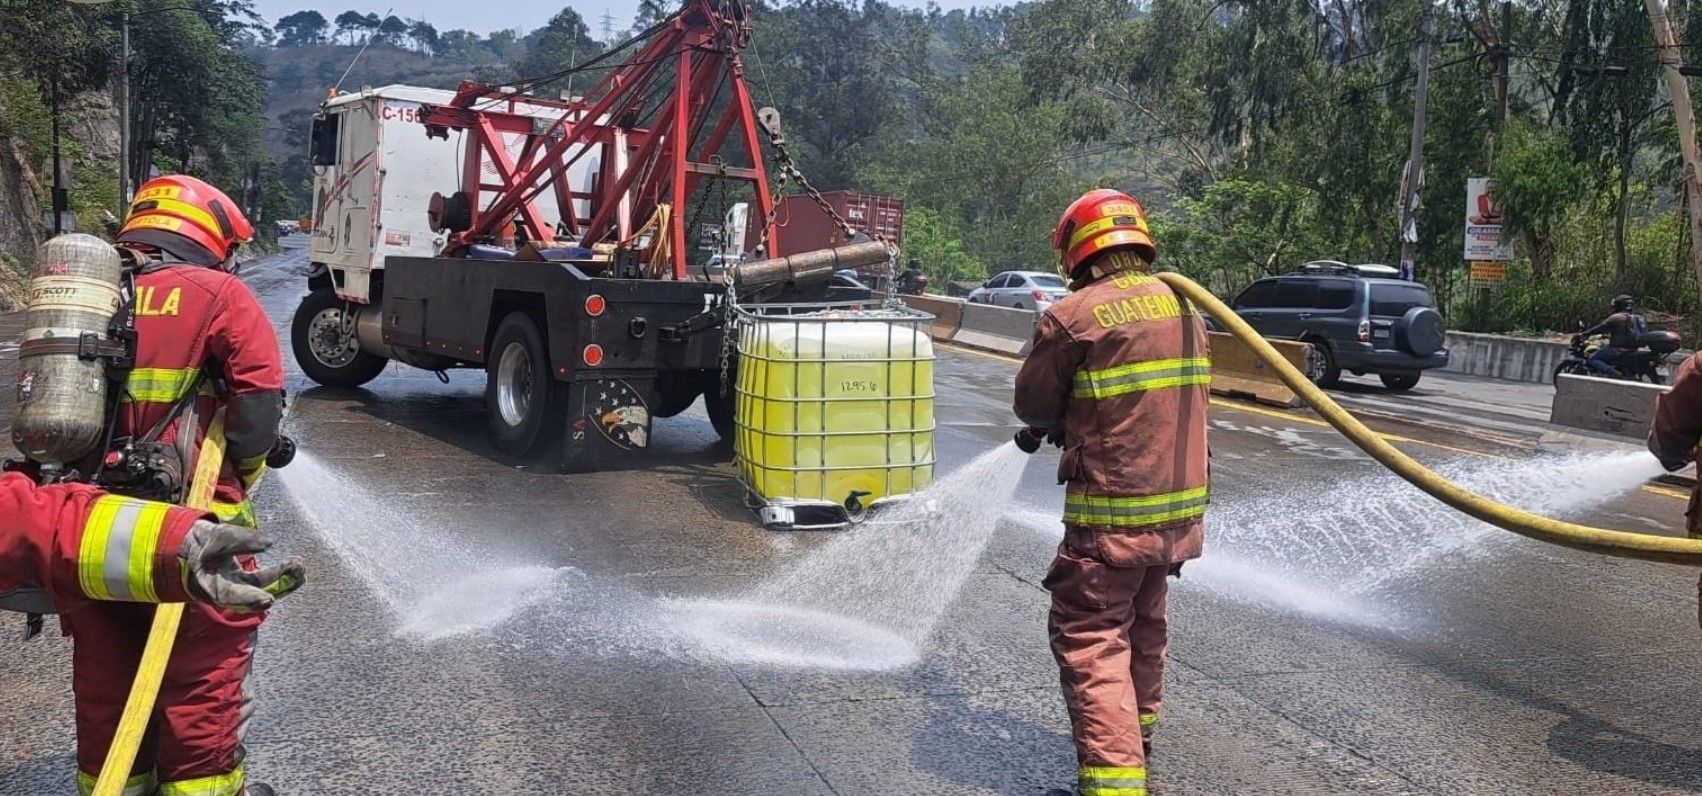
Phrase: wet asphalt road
x=1483 y=664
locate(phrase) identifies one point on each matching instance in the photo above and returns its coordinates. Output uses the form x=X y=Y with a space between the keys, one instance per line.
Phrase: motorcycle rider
x=203 y=343
x=1625 y=330
x=912 y=282
x=1118 y=377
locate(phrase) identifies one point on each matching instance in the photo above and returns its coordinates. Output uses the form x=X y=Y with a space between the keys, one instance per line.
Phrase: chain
x=703 y=200
x=729 y=333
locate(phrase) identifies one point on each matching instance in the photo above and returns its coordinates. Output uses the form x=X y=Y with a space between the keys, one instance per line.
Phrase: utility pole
x=1679 y=88
x=1415 y=160
x=1503 y=56
x=59 y=189
x=124 y=118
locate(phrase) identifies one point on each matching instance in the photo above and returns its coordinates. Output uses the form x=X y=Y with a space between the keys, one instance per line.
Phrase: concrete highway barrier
x=1002 y=329
x=1237 y=372
x=1617 y=407
x=947 y=312
x=1500 y=357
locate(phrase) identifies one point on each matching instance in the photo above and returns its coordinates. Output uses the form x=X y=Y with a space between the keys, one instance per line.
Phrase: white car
x=1023 y=290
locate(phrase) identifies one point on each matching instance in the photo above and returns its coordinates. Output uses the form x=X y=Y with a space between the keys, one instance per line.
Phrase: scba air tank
x=61 y=414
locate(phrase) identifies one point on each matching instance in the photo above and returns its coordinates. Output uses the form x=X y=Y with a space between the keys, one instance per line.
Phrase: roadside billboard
x=1483 y=224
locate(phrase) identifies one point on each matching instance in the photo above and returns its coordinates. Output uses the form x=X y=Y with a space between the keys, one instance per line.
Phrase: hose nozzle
x=1028 y=438
x=282 y=453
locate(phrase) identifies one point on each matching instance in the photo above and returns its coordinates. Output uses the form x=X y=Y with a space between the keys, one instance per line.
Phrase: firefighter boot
x=259 y=789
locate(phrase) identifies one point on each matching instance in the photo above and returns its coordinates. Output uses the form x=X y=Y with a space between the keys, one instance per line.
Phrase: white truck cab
x=375 y=172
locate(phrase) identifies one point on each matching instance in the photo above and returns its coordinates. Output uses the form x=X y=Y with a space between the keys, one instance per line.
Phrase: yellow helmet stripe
x=1092 y=228
x=174 y=207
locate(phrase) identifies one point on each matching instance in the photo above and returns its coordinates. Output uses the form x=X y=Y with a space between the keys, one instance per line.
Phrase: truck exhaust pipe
x=808 y=267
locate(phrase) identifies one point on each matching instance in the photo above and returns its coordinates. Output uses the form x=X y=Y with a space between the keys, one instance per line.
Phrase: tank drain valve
x=854 y=503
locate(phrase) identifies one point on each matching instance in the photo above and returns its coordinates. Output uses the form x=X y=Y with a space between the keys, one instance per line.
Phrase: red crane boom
x=644 y=122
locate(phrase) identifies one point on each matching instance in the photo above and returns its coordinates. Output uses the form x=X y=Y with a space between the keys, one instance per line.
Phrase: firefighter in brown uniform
x=1118 y=377
x=1674 y=435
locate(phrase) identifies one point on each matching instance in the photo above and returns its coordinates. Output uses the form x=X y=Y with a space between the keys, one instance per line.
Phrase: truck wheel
x=316 y=337
x=721 y=410
x=523 y=403
x=676 y=391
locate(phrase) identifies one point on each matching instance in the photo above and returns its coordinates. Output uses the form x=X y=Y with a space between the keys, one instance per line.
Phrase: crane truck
x=544 y=240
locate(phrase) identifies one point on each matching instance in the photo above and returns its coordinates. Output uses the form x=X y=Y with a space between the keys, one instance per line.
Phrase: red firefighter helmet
x=1100 y=221
x=188 y=219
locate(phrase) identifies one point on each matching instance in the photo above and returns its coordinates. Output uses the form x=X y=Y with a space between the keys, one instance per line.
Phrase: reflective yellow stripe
x=239 y=513
x=160 y=385
x=115 y=560
x=1148 y=721
x=175 y=206
x=1115 y=213
x=216 y=785
x=1155 y=374
x=91 y=554
x=250 y=471
x=144 y=543
x=1111 y=781
x=1130 y=512
x=138 y=785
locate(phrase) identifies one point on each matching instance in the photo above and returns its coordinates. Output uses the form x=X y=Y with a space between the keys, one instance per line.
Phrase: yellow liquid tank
x=835 y=406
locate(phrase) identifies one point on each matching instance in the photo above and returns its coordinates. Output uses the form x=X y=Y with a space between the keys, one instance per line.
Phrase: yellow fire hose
x=139 y=707
x=1623 y=544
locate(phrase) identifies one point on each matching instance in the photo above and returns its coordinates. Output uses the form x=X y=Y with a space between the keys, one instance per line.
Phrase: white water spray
x=869 y=599
x=434 y=586
x=1331 y=548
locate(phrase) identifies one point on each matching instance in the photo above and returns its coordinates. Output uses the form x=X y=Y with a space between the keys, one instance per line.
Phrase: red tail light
x=1364 y=330
x=1041 y=295
x=595 y=304
x=593 y=355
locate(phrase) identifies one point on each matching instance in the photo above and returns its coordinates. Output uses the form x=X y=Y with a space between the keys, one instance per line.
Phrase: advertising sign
x=1483 y=224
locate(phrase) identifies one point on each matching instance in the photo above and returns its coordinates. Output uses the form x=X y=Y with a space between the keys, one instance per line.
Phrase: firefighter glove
x=210 y=556
x=1056 y=437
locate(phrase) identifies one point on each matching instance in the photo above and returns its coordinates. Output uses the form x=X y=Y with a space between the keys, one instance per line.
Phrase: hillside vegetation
x=1260 y=133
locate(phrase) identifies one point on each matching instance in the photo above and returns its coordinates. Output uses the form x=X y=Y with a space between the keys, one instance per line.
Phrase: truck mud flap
x=608 y=423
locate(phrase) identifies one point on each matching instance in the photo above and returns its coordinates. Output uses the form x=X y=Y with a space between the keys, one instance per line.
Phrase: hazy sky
x=483 y=17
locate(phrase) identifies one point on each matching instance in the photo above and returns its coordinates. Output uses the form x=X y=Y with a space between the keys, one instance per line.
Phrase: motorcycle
x=1654 y=350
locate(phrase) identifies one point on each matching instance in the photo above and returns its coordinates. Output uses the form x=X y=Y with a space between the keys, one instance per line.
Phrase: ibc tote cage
x=812 y=445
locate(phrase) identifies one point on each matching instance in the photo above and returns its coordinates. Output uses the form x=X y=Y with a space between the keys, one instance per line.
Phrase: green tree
x=302 y=28
x=561 y=43
x=1240 y=230
x=830 y=76
x=353 y=25
x=424 y=36
x=1538 y=182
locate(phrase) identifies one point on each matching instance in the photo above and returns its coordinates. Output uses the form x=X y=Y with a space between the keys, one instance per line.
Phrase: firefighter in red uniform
x=78 y=544
x=203 y=343
x=1118 y=377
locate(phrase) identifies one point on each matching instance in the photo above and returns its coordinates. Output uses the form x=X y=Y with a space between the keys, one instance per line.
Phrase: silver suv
x=1357 y=319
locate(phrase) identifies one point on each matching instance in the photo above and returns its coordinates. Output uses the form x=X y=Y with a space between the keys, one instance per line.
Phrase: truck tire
x=524 y=405
x=1420 y=332
x=676 y=391
x=721 y=410
x=315 y=337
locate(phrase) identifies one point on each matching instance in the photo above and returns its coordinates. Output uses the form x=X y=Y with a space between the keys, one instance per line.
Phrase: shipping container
x=803 y=227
